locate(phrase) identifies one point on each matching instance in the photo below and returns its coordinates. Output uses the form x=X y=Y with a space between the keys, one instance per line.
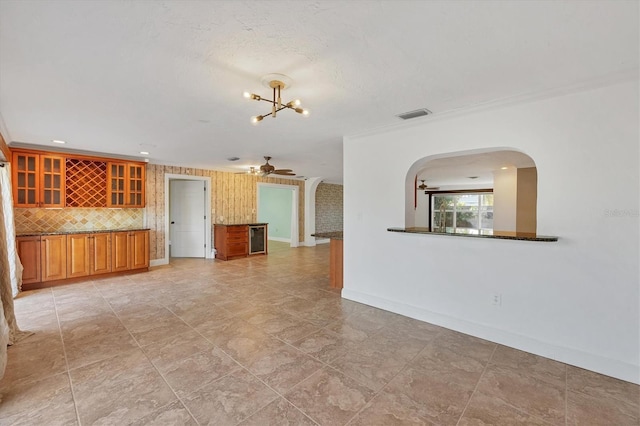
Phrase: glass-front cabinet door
x=116 y=181
x=38 y=180
x=136 y=185
x=125 y=185
x=52 y=181
x=25 y=177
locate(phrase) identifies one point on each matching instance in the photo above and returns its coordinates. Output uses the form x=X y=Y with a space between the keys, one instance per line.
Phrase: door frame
x=207 y=209
x=295 y=238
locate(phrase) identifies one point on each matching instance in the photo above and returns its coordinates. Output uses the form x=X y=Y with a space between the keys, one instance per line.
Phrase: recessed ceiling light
x=144 y=153
x=504 y=168
x=58 y=141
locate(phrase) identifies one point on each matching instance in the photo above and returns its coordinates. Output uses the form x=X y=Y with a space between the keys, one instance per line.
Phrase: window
x=464 y=213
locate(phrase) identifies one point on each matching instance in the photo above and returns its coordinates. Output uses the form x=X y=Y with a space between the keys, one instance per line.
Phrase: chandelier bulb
x=253 y=96
x=256 y=119
x=305 y=112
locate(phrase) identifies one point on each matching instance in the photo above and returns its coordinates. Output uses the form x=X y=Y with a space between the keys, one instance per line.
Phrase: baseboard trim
x=159 y=262
x=607 y=366
x=279 y=239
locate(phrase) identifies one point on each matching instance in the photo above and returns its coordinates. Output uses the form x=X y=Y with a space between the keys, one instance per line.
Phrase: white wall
x=575 y=300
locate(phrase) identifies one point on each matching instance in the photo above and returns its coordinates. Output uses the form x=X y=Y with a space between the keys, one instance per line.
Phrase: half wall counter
x=335 y=257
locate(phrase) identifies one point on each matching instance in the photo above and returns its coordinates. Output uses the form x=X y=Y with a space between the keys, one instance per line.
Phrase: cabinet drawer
x=238 y=238
x=237 y=249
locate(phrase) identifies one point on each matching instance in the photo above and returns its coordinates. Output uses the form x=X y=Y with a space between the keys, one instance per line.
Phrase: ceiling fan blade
x=284 y=173
x=283 y=170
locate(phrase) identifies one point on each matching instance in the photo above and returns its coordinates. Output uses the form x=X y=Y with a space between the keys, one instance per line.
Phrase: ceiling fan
x=267 y=169
x=423 y=186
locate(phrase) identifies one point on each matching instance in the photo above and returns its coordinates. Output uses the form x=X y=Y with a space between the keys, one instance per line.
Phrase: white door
x=187 y=224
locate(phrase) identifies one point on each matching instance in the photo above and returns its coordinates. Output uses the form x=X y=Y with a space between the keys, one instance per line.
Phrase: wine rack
x=86 y=182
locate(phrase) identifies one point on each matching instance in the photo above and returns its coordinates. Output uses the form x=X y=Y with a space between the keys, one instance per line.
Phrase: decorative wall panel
x=329 y=207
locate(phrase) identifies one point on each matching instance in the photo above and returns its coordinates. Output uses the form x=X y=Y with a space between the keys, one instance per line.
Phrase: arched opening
x=483 y=192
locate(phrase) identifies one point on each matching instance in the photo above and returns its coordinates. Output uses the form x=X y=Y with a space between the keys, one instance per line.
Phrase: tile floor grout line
x=258 y=378
x=406 y=366
x=152 y=365
x=66 y=360
x=219 y=378
x=484 y=370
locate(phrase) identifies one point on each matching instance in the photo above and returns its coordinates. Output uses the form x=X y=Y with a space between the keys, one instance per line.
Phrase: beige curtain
x=10 y=271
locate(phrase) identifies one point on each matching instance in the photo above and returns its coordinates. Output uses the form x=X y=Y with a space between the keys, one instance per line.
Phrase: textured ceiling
x=167 y=77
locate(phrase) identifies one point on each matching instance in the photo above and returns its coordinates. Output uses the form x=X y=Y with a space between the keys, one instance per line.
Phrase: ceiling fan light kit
x=277 y=82
x=267 y=169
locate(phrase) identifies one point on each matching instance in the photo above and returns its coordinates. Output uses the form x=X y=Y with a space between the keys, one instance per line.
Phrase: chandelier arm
x=266 y=100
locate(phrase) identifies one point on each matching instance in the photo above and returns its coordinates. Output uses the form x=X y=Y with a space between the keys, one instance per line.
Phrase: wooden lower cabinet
x=139 y=249
x=231 y=241
x=88 y=254
x=78 y=255
x=59 y=257
x=29 y=252
x=53 y=253
x=120 y=259
x=100 y=253
x=130 y=250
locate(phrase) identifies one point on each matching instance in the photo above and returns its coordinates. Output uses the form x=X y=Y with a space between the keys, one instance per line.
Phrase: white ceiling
x=167 y=76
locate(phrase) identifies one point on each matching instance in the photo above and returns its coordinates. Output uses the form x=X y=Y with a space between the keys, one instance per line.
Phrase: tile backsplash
x=76 y=219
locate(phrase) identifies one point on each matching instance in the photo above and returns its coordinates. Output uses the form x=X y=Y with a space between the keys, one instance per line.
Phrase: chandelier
x=277 y=82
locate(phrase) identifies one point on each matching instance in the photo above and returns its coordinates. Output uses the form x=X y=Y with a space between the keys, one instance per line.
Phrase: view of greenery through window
x=468 y=213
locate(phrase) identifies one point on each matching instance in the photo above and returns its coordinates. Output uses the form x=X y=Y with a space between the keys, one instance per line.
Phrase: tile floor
x=262 y=341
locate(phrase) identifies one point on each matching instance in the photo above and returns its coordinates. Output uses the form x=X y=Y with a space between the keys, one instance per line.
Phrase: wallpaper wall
x=233 y=200
x=329 y=207
x=76 y=219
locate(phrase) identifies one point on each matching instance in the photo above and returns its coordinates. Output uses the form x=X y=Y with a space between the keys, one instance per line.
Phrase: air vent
x=233 y=158
x=414 y=114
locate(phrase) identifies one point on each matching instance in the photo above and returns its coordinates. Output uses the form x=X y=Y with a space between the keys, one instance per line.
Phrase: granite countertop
x=241 y=223
x=334 y=235
x=87 y=231
x=495 y=236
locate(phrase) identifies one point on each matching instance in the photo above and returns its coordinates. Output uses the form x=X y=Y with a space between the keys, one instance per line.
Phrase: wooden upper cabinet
x=45 y=179
x=52 y=187
x=125 y=184
x=38 y=179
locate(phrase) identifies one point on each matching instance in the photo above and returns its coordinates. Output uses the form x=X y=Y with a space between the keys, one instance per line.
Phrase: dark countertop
x=88 y=231
x=334 y=235
x=496 y=236
x=241 y=224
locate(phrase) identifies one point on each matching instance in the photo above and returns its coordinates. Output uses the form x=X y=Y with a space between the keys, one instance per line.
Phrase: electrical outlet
x=496 y=299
